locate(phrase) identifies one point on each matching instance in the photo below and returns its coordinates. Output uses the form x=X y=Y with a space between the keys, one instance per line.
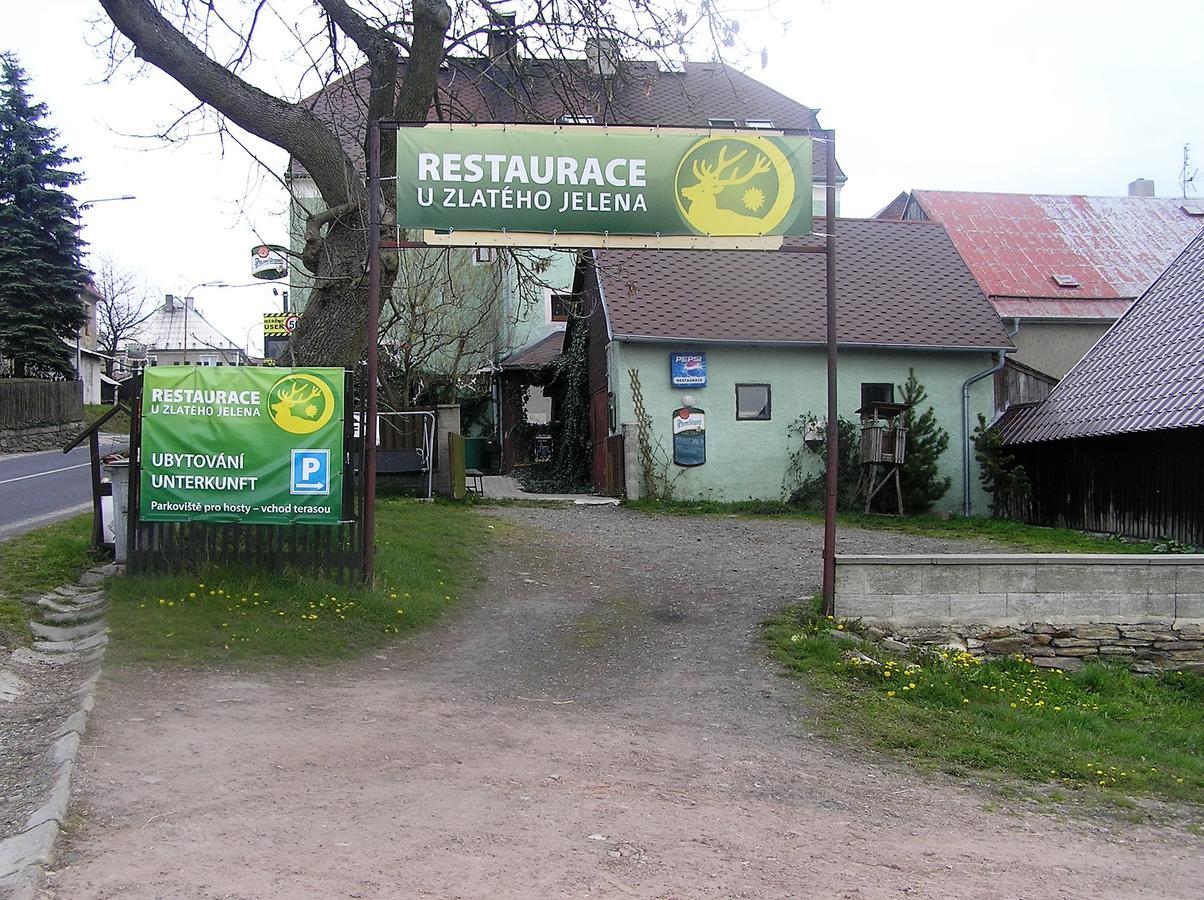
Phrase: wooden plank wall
x=1146 y=485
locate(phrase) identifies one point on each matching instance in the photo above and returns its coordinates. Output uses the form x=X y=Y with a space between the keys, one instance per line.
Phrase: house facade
x=177 y=333
x=1059 y=269
x=1116 y=447
x=750 y=328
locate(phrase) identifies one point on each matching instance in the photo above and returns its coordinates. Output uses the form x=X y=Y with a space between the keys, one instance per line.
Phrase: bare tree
x=120 y=309
x=385 y=57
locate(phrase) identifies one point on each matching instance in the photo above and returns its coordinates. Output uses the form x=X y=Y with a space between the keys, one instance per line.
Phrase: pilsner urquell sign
x=603 y=181
x=242 y=444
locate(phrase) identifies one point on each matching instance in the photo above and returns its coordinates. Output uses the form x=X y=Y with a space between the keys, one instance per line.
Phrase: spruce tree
x=41 y=268
x=919 y=475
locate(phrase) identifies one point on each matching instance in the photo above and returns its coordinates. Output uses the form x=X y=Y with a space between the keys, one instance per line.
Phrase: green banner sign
x=603 y=181
x=242 y=444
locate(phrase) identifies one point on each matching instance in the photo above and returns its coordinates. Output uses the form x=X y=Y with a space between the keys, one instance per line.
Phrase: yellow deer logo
x=303 y=403
x=766 y=203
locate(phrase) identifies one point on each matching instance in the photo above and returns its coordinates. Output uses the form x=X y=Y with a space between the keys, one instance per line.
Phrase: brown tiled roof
x=1145 y=374
x=898 y=284
x=477 y=91
x=537 y=355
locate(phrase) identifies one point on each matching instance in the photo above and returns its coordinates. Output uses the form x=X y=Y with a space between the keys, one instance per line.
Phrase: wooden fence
x=331 y=550
x=26 y=402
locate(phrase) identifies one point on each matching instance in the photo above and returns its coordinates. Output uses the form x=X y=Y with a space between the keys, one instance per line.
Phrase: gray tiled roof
x=1145 y=374
x=898 y=284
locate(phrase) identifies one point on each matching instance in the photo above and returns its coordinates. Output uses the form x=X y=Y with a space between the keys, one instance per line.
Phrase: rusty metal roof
x=899 y=284
x=1145 y=374
x=474 y=90
x=1113 y=247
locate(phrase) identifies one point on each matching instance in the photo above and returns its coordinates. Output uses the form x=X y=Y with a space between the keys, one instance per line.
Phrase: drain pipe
x=966 y=439
x=999 y=362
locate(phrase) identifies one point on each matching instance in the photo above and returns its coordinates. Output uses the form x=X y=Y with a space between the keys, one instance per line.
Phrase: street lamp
x=88 y=204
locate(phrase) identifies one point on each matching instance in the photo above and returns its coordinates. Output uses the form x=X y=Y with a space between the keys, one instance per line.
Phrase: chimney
x=169 y=302
x=602 y=54
x=1142 y=187
x=503 y=39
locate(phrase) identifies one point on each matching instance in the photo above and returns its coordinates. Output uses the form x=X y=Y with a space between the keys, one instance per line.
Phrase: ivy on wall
x=567 y=378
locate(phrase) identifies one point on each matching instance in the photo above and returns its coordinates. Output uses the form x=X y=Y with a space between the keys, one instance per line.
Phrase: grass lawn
x=119 y=424
x=426 y=559
x=35 y=562
x=1032 y=538
x=1101 y=730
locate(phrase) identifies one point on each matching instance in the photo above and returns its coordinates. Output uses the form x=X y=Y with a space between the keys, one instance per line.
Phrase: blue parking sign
x=311 y=472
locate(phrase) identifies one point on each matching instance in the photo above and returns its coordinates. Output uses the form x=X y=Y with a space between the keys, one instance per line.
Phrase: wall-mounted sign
x=267 y=262
x=583 y=186
x=242 y=444
x=688 y=370
x=689 y=436
x=276 y=330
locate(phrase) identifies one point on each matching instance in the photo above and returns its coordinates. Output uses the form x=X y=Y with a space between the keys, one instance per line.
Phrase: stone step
x=66 y=632
x=74 y=616
x=73 y=646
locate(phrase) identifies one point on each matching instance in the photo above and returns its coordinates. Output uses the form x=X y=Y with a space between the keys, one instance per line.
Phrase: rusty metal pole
x=369 y=429
x=833 y=435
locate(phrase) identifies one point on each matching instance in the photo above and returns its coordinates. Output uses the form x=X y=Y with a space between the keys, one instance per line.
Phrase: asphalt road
x=39 y=488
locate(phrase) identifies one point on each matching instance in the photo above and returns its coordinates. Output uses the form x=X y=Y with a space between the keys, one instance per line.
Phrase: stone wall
x=1143 y=647
x=38 y=437
x=1057 y=609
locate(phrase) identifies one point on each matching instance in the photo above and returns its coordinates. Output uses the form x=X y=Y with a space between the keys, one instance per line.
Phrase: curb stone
x=25 y=856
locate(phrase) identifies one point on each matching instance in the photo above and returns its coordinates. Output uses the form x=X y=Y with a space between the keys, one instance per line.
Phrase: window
x=560 y=307
x=722 y=123
x=483 y=255
x=758 y=123
x=752 y=402
x=876 y=392
x=570 y=119
x=208 y=361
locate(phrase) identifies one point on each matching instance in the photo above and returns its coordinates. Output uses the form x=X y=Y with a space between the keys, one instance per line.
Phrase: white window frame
x=207 y=359
x=483 y=256
x=722 y=123
x=766 y=124
x=570 y=119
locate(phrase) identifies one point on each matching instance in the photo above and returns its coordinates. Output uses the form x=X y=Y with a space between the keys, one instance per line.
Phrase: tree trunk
x=334 y=329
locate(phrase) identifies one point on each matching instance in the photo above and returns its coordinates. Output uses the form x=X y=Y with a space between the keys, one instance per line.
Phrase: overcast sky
x=1059 y=96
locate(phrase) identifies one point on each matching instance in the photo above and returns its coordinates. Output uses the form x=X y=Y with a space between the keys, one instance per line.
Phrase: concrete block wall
x=1006 y=589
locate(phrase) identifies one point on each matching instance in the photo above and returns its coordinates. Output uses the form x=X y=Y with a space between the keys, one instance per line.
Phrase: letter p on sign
x=310 y=472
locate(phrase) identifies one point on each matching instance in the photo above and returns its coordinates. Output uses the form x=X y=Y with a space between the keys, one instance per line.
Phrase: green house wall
x=747 y=459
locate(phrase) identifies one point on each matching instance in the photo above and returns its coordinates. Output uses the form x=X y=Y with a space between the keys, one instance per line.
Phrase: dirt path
x=597 y=721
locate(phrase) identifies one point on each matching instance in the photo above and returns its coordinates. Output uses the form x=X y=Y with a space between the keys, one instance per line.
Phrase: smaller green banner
x=242 y=444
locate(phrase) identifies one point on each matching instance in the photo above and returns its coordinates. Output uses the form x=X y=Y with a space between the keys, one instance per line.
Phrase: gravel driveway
x=596 y=720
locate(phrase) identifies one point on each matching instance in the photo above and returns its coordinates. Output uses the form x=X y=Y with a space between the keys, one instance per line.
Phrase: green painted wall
x=747 y=459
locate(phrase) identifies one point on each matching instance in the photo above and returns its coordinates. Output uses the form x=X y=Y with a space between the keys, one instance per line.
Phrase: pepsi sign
x=688 y=370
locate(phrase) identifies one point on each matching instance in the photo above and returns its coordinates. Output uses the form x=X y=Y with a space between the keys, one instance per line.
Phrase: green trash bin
x=475 y=453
